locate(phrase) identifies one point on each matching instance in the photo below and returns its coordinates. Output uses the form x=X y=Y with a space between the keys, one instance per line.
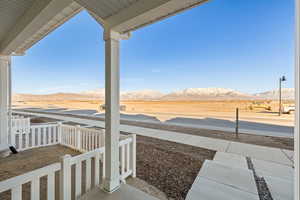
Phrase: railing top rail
x=86 y=155
x=24 y=178
x=92 y=130
x=43 y=126
x=68 y=126
x=125 y=141
x=82 y=128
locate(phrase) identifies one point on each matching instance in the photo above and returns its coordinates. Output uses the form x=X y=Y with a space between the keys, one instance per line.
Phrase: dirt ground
x=17 y=164
x=166 y=110
x=269 y=141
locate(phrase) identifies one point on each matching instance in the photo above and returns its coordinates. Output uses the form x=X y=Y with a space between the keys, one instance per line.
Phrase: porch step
x=218 y=181
x=265 y=168
x=206 y=189
x=231 y=159
x=280 y=188
x=262 y=168
x=228 y=177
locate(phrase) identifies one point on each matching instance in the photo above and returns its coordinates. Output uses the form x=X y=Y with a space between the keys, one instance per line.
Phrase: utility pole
x=237 y=122
x=281 y=79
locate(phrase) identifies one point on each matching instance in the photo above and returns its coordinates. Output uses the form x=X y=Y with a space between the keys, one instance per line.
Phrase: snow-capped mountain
x=129 y=95
x=206 y=94
x=286 y=93
x=186 y=94
x=142 y=95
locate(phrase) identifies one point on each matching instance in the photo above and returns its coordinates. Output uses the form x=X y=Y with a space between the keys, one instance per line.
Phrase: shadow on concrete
x=231 y=124
x=80 y=112
x=137 y=117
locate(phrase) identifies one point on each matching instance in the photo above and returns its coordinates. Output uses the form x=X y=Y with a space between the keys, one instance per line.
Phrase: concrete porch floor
x=125 y=192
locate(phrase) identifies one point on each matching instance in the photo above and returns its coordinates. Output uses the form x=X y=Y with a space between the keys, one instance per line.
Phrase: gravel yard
x=169 y=166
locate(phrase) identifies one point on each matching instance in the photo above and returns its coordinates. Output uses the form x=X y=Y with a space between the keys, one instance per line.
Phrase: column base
x=4 y=151
x=110 y=186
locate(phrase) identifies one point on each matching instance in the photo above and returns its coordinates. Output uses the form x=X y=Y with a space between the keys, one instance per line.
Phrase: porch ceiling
x=25 y=22
x=10 y=12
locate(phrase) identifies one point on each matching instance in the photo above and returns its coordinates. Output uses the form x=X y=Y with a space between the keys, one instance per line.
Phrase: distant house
x=102 y=107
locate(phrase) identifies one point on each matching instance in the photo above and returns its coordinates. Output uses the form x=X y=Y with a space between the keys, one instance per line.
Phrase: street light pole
x=279 y=96
x=281 y=79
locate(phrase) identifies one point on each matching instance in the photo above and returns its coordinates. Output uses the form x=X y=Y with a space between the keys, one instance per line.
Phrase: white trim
x=297 y=88
x=4 y=87
x=9 y=102
x=112 y=112
x=40 y=19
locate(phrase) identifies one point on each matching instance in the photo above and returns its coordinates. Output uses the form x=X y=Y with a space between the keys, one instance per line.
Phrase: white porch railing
x=82 y=139
x=75 y=137
x=15 y=184
x=89 y=166
x=36 y=136
x=20 y=124
x=93 y=162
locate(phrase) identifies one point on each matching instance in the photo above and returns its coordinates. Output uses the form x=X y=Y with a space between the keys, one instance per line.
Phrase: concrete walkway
x=230 y=177
x=275 y=155
x=254 y=151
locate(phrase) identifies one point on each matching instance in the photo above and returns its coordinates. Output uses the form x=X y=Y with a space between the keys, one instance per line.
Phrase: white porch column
x=4 y=98
x=297 y=103
x=112 y=113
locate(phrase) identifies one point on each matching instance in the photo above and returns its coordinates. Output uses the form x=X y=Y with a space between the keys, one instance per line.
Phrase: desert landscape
x=197 y=103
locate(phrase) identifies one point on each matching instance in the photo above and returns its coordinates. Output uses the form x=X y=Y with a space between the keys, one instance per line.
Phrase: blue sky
x=238 y=44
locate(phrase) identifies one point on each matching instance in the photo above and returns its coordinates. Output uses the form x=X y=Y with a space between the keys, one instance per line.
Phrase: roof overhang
x=32 y=20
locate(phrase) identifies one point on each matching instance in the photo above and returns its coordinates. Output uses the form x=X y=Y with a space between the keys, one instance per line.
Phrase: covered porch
x=25 y=23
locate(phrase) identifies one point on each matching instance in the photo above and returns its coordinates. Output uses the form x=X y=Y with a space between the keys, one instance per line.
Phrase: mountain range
x=186 y=94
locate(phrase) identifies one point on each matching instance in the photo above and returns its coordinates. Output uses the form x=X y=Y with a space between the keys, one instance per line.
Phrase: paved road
x=204 y=123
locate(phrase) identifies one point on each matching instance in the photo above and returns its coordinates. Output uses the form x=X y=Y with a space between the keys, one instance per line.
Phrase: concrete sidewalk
x=275 y=155
x=234 y=177
x=255 y=151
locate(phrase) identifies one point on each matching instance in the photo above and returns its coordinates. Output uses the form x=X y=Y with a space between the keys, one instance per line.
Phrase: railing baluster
x=44 y=136
x=74 y=137
x=54 y=134
x=13 y=137
x=127 y=157
x=97 y=168
x=122 y=160
x=86 y=141
x=88 y=175
x=133 y=155
x=78 y=171
x=20 y=140
x=33 y=137
x=90 y=141
x=48 y=135
x=59 y=134
x=16 y=193
x=51 y=186
x=35 y=189
x=26 y=139
x=65 y=178
x=103 y=165
x=39 y=136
